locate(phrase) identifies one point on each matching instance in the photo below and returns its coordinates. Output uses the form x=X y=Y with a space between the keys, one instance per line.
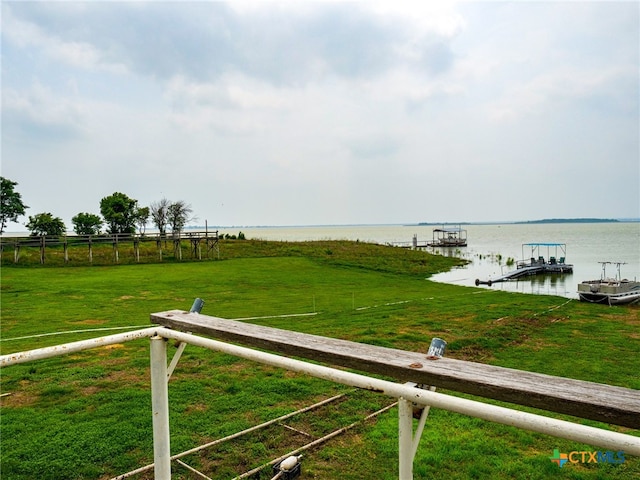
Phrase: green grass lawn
x=88 y=415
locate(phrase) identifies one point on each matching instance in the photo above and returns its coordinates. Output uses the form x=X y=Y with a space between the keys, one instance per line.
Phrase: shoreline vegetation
x=343 y=252
x=88 y=415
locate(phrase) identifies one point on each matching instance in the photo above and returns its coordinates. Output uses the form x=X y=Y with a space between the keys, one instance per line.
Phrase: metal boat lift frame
x=535 y=249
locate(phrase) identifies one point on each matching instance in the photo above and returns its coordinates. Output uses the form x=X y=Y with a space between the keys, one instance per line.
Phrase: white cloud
x=327 y=112
x=38 y=112
x=77 y=54
x=554 y=90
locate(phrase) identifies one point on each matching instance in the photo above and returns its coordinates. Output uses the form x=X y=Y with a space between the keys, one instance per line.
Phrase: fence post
x=43 y=243
x=405 y=439
x=160 y=409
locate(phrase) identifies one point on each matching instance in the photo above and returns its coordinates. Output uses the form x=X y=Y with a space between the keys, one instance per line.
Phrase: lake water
x=587 y=244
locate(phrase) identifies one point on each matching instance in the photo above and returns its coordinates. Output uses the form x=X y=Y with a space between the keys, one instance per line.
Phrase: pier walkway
x=535 y=266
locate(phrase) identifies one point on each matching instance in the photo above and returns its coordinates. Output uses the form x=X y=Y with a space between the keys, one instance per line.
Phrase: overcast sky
x=317 y=113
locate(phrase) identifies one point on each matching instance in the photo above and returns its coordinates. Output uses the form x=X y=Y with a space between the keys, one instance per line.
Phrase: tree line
x=119 y=214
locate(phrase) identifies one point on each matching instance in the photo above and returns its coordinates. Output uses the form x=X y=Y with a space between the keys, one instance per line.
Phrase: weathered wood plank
x=594 y=401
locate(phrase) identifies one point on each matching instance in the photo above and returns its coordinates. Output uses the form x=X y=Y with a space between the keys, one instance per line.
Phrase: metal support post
x=176 y=358
x=420 y=429
x=160 y=409
x=405 y=439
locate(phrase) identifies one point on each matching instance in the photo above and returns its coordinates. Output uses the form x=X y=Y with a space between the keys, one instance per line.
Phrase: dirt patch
x=199 y=407
x=18 y=399
x=129 y=377
x=89 y=321
x=89 y=391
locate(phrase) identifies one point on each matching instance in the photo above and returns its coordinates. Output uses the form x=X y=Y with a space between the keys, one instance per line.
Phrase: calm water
x=587 y=244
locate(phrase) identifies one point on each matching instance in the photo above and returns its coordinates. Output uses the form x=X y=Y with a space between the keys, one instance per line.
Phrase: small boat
x=610 y=291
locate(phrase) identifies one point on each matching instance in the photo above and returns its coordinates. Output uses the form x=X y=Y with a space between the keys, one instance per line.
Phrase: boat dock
x=442 y=237
x=448 y=237
x=413 y=244
x=536 y=265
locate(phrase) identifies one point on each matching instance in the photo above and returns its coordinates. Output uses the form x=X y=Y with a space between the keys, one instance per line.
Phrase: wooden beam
x=589 y=400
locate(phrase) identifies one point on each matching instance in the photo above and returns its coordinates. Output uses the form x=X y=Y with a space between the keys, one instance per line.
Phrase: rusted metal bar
x=233 y=436
x=57 y=350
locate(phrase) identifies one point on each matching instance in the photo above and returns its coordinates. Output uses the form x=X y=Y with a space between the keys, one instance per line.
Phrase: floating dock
x=537 y=265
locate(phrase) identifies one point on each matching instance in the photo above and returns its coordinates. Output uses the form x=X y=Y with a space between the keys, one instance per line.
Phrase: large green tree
x=45 y=224
x=119 y=212
x=87 y=224
x=11 y=206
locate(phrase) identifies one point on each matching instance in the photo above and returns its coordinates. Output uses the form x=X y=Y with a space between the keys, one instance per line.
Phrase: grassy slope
x=87 y=415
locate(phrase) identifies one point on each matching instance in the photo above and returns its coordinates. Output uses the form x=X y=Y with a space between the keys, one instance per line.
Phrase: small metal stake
x=198 y=303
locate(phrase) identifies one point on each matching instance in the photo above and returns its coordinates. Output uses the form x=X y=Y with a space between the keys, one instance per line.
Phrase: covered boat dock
x=448 y=237
x=537 y=264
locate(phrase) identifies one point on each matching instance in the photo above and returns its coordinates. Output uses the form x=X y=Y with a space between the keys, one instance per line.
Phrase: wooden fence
x=198 y=242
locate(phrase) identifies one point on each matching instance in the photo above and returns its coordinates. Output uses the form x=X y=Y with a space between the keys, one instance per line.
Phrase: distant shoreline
x=212 y=228
x=542 y=221
x=572 y=220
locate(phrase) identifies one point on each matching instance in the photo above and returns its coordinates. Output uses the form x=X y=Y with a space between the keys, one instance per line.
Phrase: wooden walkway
x=594 y=401
x=197 y=240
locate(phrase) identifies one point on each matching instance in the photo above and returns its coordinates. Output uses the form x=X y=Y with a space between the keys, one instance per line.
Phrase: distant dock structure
x=448 y=237
x=442 y=237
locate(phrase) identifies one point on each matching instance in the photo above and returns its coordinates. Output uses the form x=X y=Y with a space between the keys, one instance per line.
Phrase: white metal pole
x=160 y=409
x=57 y=350
x=506 y=416
x=420 y=428
x=405 y=439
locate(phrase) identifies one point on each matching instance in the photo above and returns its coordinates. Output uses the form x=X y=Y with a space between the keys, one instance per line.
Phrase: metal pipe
x=233 y=436
x=160 y=408
x=176 y=359
x=528 y=421
x=48 y=352
x=316 y=442
x=420 y=428
x=405 y=439
x=193 y=470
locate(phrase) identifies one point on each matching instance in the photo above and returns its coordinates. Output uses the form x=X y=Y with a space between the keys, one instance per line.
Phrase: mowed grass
x=88 y=415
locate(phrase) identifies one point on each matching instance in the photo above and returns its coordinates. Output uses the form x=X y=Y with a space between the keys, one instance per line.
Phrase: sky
x=325 y=112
